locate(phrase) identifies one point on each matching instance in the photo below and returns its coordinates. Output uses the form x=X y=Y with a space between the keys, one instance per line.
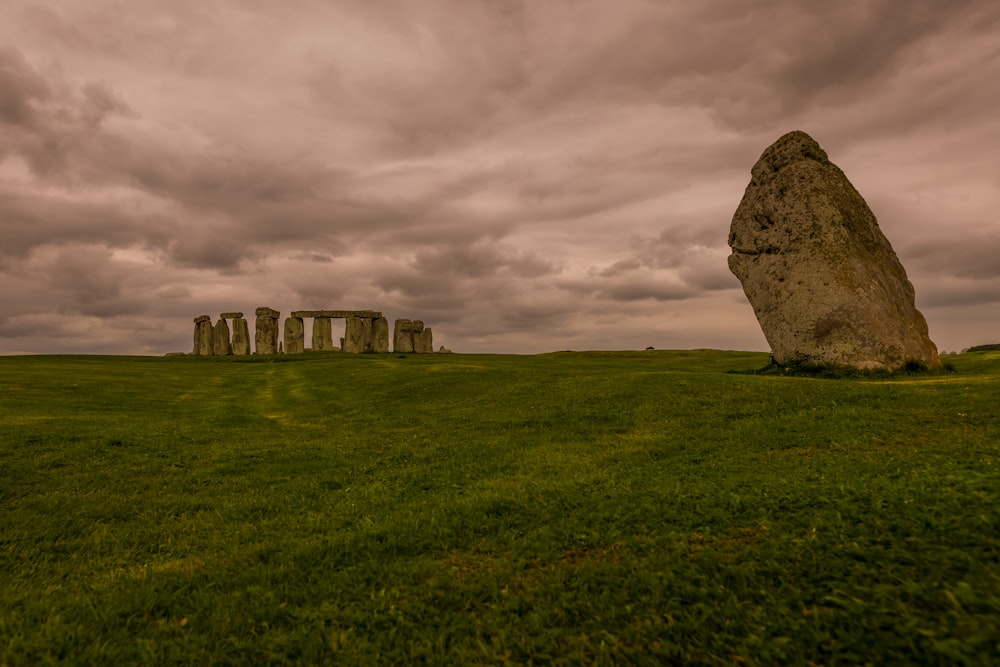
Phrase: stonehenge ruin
x=241 y=334
x=202 y=336
x=412 y=336
x=322 y=338
x=209 y=340
x=266 y=336
x=221 y=340
x=380 y=335
x=365 y=331
x=295 y=335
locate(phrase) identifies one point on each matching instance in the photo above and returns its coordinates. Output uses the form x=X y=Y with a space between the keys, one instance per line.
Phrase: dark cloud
x=644 y=287
x=950 y=292
x=849 y=49
x=312 y=257
x=973 y=255
x=21 y=88
x=33 y=219
x=48 y=121
x=461 y=262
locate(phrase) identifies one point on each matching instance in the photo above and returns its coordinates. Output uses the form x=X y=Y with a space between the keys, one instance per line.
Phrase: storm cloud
x=522 y=176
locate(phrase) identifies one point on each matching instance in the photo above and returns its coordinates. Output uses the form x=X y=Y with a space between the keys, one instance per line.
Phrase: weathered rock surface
x=221 y=343
x=358 y=335
x=241 y=336
x=380 y=335
x=231 y=316
x=823 y=280
x=202 y=336
x=402 y=336
x=412 y=336
x=423 y=341
x=266 y=334
x=322 y=335
x=295 y=335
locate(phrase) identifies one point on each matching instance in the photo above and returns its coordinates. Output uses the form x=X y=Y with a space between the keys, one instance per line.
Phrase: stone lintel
x=231 y=316
x=202 y=318
x=369 y=314
x=264 y=311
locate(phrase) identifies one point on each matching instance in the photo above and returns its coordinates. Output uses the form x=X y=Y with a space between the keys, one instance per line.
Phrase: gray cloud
x=526 y=175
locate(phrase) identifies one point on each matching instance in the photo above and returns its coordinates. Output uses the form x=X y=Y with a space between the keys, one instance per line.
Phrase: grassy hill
x=572 y=508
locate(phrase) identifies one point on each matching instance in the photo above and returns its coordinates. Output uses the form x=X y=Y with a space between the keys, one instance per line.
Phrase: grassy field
x=572 y=508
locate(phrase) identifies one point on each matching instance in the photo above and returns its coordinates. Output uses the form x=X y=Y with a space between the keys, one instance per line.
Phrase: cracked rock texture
x=823 y=280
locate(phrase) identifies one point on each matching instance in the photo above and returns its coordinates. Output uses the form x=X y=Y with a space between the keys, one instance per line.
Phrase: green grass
x=572 y=508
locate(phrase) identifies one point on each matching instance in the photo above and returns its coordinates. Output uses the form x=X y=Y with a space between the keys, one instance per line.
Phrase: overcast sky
x=524 y=176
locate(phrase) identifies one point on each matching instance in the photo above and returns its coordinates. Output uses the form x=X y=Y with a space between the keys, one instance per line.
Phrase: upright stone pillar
x=380 y=335
x=357 y=334
x=423 y=341
x=202 y=336
x=322 y=337
x=198 y=320
x=266 y=336
x=221 y=343
x=295 y=335
x=366 y=331
x=402 y=338
x=824 y=282
x=241 y=336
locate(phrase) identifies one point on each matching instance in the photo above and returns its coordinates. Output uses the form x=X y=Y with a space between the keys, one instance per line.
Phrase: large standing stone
x=412 y=336
x=221 y=343
x=402 y=336
x=380 y=335
x=198 y=320
x=823 y=280
x=202 y=336
x=322 y=336
x=423 y=341
x=295 y=335
x=241 y=336
x=358 y=335
x=266 y=334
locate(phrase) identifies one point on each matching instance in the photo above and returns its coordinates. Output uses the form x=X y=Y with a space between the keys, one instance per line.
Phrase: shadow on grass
x=837 y=372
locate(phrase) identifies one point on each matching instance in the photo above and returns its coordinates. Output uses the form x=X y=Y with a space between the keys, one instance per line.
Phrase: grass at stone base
x=573 y=508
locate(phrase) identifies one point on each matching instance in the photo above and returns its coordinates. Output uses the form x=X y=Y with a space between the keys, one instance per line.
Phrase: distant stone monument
x=365 y=331
x=423 y=340
x=241 y=333
x=203 y=335
x=266 y=335
x=402 y=336
x=824 y=282
x=380 y=335
x=295 y=335
x=322 y=335
x=357 y=335
x=412 y=336
x=221 y=343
